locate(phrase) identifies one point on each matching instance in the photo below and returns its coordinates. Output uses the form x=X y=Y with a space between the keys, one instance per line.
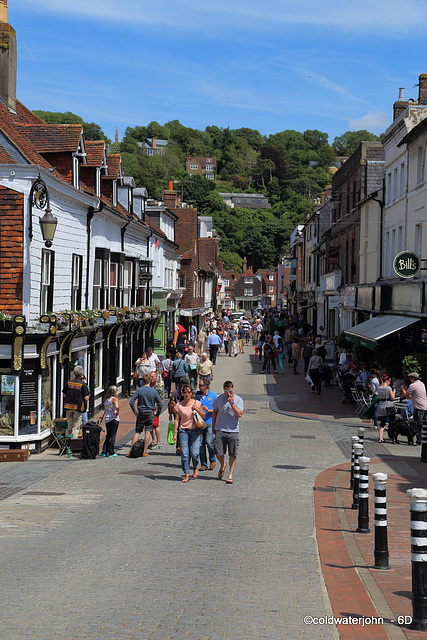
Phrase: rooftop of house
x=201 y=160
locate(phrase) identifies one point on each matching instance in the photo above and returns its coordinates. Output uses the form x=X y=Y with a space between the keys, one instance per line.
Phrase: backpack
x=137 y=449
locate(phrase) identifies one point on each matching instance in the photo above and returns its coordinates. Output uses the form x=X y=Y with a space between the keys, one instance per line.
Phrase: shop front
x=35 y=365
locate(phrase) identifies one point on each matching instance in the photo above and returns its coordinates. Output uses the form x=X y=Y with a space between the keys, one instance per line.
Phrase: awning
x=369 y=333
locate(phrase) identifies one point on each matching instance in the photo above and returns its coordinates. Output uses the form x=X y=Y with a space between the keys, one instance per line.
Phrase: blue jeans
x=207 y=441
x=189 y=442
x=110 y=438
x=280 y=357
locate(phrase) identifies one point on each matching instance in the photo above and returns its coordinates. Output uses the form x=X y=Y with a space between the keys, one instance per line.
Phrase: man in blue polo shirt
x=214 y=343
x=206 y=398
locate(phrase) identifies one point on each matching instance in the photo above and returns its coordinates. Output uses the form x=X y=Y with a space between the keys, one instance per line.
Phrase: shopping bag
x=309 y=380
x=170 y=433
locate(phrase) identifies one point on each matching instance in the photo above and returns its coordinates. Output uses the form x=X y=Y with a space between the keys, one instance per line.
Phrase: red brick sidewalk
x=355 y=588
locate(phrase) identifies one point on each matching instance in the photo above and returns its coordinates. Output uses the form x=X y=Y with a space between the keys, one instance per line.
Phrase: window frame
x=47 y=289
x=76 y=282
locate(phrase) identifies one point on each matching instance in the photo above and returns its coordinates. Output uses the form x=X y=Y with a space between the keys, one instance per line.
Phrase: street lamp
x=48 y=225
x=39 y=198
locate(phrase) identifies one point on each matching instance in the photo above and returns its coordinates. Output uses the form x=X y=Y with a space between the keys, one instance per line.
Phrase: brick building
x=205 y=167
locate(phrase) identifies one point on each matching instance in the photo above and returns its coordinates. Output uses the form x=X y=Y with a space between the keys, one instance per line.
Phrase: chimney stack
x=399 y=106
x=422 y=89
x=170 y=198
x=8 y=59
x=245 y=265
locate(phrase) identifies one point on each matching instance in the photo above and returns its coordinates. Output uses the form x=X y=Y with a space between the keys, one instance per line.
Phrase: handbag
x=166 y=374
x=200 y=424
x=135 y=374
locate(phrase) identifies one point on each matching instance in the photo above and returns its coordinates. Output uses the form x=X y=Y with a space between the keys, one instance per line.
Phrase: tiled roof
x=9 y=126
x=205 y=266
x=53 y=138
x=113 y=160
x=187 y=255
x=5 y=158
x=94 y=152
x=25 y=115
x=155 y=227
x=202 y=161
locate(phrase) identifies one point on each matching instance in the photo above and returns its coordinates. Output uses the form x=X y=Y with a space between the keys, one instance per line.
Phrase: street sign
x=407 y=264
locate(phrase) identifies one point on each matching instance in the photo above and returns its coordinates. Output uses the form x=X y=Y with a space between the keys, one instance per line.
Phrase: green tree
x=347 y=144
x=93 y=131
x=315 y=138
x=231 y=259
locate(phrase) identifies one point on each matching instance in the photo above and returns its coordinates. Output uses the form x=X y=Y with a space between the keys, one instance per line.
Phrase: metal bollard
x=380 y=521
x=424 y=442
x=363 y=518
x=354 y=440
x=418 y=506
x=358 y=450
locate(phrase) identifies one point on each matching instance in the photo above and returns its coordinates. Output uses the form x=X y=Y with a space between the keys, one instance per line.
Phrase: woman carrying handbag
x=189 y=436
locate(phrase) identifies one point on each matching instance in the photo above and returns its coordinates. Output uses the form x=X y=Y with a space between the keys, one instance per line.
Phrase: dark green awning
x=369 y=333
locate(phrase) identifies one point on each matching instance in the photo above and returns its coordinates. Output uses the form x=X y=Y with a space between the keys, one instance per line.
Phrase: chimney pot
x=401 y=94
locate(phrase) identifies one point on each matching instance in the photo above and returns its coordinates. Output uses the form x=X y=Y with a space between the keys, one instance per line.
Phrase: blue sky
x=271 y=65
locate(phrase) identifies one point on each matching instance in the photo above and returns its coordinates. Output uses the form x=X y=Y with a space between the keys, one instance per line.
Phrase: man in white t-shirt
x=417 y=393
x=154 y=361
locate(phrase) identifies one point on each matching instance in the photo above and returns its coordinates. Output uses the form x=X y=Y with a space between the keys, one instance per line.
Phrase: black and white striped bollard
x=380 y=521
x=358 y=450
x=418 y=506
x=361 y=434
x=354 y=440
x=424 y=442
x=363 y=518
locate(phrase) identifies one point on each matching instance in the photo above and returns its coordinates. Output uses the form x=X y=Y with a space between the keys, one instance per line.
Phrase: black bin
x=91 y=433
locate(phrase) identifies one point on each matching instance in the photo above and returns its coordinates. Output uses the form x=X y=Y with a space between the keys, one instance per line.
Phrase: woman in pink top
x=189 y=437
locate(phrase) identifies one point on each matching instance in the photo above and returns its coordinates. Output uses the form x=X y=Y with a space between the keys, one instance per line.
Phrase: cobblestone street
x=120 y=548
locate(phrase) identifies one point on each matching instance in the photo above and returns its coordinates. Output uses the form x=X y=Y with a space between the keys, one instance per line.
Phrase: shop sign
x=291 y=263
x=334 y=302
x=350 y=297
x=407 y=264
x=28 y=402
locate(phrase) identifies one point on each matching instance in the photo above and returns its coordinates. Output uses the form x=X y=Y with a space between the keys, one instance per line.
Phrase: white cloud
x=374 y=120
x=378 y=16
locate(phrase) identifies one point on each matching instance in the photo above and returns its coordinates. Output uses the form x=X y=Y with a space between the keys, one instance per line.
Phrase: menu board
x=28 y=402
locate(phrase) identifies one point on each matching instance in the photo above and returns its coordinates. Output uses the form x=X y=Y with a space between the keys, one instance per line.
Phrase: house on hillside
x=246 y=200
x=153 y=146
x=205 y=167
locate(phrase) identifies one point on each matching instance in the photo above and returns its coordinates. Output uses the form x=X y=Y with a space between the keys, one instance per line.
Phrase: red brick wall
x=11 y=250
x=63 y=162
